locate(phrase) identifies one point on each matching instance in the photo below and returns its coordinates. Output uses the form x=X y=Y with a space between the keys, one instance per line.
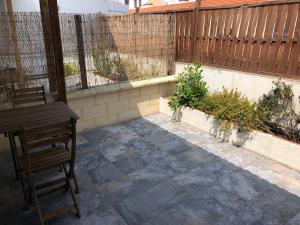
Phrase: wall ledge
x=120 y=86
x=270 y=75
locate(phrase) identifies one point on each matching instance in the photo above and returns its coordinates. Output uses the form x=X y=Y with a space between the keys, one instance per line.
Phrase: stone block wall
x=119 y=103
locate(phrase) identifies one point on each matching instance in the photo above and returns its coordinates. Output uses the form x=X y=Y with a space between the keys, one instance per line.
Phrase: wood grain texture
x=262 y=38
x=16 y=119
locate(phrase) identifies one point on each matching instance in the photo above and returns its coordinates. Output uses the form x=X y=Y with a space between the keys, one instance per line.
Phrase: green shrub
x=229 y=106
x=103 y=62
x=70 y=69
x=277 y=113
x=190 y=88
x=114 y=67
x=149 y=72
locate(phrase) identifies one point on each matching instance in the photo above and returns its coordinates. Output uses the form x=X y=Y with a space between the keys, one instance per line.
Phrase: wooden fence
x=262 y=38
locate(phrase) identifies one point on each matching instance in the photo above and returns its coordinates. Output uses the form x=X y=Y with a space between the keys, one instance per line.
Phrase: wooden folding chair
x=24 y=97
x=35 y=162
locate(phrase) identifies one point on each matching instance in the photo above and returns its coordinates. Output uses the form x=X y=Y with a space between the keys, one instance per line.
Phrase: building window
x=126 y=2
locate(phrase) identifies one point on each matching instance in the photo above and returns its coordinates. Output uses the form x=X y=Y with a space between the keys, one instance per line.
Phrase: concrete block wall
x=114 y=104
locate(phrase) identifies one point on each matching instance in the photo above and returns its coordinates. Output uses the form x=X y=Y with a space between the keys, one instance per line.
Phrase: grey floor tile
x=151 y=171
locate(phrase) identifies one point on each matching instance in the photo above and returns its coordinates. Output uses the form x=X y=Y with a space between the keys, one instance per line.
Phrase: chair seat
x=45 y=159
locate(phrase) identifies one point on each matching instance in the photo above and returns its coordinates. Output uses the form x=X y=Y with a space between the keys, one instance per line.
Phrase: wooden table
x=14 y=120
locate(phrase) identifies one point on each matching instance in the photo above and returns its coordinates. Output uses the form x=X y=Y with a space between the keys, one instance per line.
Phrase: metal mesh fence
x=22 y=53
x=97 y=49
x=117 y=48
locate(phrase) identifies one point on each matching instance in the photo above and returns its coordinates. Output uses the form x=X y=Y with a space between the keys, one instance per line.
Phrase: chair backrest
x=48 y=135
x=23 y=97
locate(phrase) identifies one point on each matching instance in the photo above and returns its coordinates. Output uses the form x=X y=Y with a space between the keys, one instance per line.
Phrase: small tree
x=190 y=88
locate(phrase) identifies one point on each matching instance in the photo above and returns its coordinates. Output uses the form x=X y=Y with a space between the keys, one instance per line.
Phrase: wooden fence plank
x=267 y=38
x=257 y=38
x=218 y=36
x=287 y=41
x=295 y=53
x=201 y=35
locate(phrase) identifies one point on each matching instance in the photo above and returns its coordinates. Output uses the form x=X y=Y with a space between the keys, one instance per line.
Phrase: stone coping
x=120 y=86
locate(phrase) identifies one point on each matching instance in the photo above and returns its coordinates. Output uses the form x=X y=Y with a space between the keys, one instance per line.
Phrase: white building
x=150 y=3
x=72 y=6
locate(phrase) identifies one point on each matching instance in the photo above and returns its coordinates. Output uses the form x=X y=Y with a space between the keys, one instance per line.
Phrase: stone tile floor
x=151 y=171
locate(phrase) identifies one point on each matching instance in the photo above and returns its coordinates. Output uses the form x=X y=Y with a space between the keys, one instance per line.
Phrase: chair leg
x=60 y=168
x=69 y=176
x=66 y=174
x=35 y=198
x=73 y=197
x=23 y=187
x=73 y=177
x=75 y=183
x=12 y=144
x=37 y=205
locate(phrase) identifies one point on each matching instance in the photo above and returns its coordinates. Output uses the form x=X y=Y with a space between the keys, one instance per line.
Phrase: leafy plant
x=149 y=72
x=277 y=113
x=70 y=69
x=127 y=68
x=102 y=61
x=118 y=68
x=190 y=88
x=229 y=106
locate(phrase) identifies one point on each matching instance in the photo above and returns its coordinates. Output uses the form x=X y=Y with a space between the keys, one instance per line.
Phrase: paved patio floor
x=151 y=171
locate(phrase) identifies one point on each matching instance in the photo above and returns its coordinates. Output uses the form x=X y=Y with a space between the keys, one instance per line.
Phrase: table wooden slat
x=15 y=119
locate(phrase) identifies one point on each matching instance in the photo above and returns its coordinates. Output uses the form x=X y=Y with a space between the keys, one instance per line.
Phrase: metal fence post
x=81 y=54
x=58 y=53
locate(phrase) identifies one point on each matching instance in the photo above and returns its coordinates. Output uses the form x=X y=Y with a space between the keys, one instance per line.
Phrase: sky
x=70 y=6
